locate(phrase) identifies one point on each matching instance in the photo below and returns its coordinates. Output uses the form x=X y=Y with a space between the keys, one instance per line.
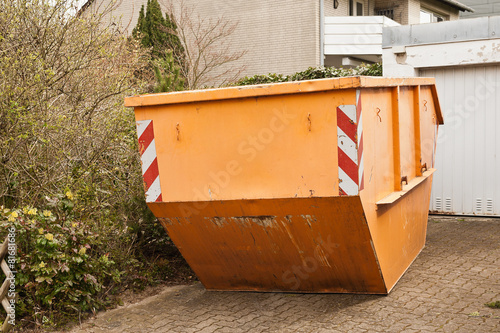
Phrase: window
x=359 y=9
x=427 y=16
x=385 y=12
x=356 y=8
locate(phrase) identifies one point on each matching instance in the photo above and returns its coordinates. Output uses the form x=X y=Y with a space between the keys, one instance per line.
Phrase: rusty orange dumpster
x=312 y=186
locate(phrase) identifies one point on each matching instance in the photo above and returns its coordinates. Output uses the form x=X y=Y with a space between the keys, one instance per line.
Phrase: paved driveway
x=443 y=291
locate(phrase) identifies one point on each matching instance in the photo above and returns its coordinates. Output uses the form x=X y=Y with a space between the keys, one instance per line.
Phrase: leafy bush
x=262 y=79
x=62 y=120
x=65 y=135
x=313 y=73
x=62 y=263
x=67 y=266
x=493 y=305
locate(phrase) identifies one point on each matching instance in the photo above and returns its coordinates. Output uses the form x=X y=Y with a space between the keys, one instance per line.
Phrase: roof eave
x=458 y=5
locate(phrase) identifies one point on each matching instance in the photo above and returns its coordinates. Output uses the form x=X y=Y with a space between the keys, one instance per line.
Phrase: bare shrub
x=62 y=83
x=208 y=56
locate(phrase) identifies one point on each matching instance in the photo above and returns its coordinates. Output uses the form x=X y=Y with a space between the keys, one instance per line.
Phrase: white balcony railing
x=355 y=35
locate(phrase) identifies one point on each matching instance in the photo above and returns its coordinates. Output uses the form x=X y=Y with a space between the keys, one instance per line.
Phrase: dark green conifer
x=158 y=33
x=167 y=73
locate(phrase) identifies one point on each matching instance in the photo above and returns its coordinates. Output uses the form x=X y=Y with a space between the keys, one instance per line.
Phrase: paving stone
x=454 y=276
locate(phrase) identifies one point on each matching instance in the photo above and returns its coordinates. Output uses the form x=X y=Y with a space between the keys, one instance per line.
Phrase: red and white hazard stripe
x=361 y=166
x=350 y=147
x=147 y=149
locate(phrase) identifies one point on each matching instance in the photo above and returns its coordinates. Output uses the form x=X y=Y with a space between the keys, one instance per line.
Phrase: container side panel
x=378 y=141
x=428 y=128
x=398 y=229
x=396 y=140
x=407 y=133
x=249 y=148
x=302 y=244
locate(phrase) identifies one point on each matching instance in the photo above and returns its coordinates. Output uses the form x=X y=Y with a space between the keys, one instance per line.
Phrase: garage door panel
x=468 y=177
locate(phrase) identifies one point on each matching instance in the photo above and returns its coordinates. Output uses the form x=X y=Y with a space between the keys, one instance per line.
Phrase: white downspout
x=321 y=33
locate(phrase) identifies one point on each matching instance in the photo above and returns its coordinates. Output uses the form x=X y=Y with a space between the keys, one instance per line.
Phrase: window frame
x=433 y=15
x=353 y=8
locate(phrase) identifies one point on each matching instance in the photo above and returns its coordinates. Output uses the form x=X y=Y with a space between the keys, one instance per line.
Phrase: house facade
x=286 y=36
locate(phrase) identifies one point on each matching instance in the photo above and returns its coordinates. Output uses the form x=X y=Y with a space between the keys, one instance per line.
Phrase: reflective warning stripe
x=147 y=149
x=350 y=147
x=361 y=166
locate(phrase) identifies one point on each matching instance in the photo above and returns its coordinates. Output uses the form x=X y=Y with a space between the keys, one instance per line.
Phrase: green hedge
x=313 y=73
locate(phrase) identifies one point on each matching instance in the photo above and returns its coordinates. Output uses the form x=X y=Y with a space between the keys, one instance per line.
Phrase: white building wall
x=341 y=10
x=359 y=35
x=279 y=36
x=124 y=13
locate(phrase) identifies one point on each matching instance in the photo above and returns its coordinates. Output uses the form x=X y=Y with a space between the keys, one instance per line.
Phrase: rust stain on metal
x=263 y=221
x=309 y=220
x=164 y=221
x=286 y=226
x=218 y=221
x=322 y=257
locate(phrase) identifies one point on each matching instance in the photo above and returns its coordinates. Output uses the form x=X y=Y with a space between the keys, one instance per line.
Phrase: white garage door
x=468 y=152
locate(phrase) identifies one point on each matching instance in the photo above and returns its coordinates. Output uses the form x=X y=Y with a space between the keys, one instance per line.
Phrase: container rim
x=285 y=88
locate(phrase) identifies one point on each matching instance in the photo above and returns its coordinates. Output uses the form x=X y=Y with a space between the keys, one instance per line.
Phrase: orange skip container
x=311 y=186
